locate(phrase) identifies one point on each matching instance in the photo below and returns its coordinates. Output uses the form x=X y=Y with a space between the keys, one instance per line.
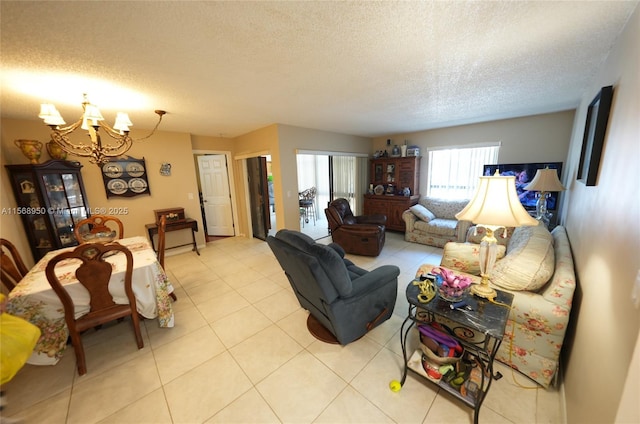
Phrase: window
x=454 y=173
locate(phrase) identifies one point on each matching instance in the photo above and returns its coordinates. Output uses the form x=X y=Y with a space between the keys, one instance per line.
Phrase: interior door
x=216 y=196
x=258 y=196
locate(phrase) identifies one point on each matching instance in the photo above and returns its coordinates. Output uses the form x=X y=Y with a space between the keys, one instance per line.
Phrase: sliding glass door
x=349 y=179
x=333 y=176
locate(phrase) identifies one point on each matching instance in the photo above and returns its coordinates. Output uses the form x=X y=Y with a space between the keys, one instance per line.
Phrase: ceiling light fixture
x=91 y=121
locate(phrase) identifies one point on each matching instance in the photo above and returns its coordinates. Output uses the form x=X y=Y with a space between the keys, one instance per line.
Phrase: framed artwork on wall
x=125 y=177
x=594 y=132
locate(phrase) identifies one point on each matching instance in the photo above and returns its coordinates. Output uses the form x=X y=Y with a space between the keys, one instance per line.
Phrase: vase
x=55 y=151
x=32 y=149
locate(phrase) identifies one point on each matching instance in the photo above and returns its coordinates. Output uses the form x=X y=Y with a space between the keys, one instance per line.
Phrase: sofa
x=537 y=268
x=433 y=221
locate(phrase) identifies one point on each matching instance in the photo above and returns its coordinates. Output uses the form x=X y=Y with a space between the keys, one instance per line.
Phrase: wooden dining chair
x=13 y=268
x=94 y=274
x=162 y=229
x=97 y=227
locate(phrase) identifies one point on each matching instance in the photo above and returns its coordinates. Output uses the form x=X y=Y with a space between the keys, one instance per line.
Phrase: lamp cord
x=513 y=372
x=495 y=302
x=513 y=329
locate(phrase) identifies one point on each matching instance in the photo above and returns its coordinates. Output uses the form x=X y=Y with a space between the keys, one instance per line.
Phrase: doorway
x=215 y=184
x=259 y=197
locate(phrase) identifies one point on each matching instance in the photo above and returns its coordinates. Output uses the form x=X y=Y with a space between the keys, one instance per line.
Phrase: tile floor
x=240 y=353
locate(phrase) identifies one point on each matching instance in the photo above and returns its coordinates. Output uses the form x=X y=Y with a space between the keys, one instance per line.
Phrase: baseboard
x=563 y=399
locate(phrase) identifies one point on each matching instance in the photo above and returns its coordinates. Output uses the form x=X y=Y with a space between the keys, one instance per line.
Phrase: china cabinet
x=394 y=186
x=50 y=199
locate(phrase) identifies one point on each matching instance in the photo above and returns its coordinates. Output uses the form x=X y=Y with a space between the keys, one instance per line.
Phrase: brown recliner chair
x=360 y=235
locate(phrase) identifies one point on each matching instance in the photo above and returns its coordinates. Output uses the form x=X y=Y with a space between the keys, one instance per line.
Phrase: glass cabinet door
x=72 y=189
x=51 y=200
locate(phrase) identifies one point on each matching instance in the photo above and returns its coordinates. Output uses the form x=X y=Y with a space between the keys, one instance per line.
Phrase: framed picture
x=125 y=177
x=594 y=132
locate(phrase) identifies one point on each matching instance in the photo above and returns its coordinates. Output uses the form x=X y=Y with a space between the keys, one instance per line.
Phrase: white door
x=216 y=197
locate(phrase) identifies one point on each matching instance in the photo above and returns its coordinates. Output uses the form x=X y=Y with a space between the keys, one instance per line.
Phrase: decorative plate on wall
x=117 y=186
x=137 y=185
x=112 y=170
x=135 y=169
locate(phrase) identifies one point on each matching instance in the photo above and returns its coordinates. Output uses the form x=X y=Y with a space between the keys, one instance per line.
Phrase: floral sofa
x=433 y=221
x=538 y=269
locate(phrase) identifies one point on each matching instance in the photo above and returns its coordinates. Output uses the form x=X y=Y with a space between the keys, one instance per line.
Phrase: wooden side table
x=188 y=223
x=479 y=331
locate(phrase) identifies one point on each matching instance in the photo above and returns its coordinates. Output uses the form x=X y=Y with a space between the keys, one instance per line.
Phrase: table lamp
x=545 y=181
x=494 y=205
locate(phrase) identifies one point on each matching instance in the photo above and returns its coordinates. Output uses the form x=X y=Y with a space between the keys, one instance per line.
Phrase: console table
x=188 y=223
x=479 y=330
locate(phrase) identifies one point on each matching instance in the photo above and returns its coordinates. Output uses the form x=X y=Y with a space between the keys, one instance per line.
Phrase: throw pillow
x=465 y=257
x=530 y=260
x=423 y=213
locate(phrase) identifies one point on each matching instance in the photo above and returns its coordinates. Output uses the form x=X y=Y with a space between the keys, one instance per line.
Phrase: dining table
x=33 y=297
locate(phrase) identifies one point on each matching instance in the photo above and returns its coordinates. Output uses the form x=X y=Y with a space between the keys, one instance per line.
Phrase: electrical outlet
x=190 y=196
x=635 y=292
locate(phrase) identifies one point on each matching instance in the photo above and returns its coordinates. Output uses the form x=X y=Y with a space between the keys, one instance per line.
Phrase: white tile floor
x=240 y=353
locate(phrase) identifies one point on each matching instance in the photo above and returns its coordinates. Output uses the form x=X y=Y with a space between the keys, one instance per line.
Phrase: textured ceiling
x=361 y=68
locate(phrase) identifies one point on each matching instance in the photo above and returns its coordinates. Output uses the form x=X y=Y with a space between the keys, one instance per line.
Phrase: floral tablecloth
x=34 y=300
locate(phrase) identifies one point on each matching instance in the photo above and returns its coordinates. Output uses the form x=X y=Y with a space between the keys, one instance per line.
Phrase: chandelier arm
x=161 y=114
x=66 y=130
x=61 y=139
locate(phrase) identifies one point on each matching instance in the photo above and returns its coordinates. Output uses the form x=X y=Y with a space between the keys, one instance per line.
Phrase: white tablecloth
x=34 y=300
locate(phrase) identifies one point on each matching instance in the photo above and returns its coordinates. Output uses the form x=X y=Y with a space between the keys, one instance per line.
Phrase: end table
x=479 y=330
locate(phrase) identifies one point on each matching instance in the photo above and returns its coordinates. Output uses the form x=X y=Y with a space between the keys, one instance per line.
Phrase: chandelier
x=92 y=121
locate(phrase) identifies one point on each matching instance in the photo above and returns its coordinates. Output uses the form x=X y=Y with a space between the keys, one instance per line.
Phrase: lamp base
x=484 y=291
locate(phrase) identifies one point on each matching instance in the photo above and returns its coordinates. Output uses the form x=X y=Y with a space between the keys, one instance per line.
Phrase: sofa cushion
x=529 y=262
x=444 y=208
x=442 y=227
x=423 y=213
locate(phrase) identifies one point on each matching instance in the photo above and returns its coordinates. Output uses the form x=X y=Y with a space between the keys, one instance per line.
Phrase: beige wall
x=536 y=138
x=256 y=143
x=602 y=222
x=292 y=139
x=166 y=192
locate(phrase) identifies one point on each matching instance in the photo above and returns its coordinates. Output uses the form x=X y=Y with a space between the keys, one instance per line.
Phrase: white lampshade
x=50 y=114
x=91 y=116
x=496 y=203
x=92 y=112
x=122 y=122
x=545 y=180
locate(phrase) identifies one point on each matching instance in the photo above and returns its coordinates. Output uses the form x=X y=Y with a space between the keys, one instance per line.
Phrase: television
x=524 y=173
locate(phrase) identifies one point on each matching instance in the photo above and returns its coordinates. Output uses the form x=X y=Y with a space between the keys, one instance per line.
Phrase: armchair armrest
x=374 y=279
x=462 y=229
x=376 y=219
x=409 y=219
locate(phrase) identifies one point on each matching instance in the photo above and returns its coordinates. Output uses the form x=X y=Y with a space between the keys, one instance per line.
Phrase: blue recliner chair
x=347 y=301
